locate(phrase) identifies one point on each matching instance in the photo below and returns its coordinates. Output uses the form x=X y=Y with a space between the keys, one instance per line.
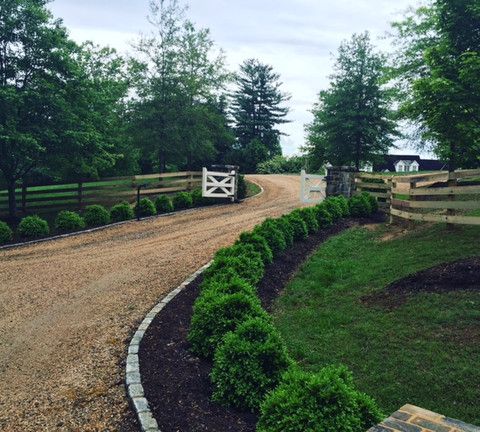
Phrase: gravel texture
x=69 y=307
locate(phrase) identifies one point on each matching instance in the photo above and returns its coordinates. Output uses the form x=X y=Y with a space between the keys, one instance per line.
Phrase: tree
x=54 y=108
x=437 y=69
x=257 y=110
x=178 y=81
x=353 y=122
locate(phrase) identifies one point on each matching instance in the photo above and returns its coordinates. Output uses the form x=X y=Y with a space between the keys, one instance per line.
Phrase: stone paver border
x=133 y=379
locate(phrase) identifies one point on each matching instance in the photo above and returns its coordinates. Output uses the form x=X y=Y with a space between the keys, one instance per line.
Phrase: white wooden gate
x=219 y=184
x=312 y=188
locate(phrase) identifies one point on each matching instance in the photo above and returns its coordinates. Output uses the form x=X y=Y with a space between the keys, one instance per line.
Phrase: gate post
x=340 y=181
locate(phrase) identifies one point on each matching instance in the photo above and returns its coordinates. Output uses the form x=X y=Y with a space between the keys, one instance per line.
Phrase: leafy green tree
x=257 y=109
x=437 y=69
x=353 y=121
x=178 y=81
x=56 y=102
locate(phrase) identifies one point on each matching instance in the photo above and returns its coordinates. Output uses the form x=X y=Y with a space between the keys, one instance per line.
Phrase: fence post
x=80 y=203
x=452 y=182
x=24 y=198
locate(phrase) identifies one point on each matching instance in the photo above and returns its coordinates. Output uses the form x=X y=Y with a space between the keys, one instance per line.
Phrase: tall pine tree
x=353 y=123
x=257 y=109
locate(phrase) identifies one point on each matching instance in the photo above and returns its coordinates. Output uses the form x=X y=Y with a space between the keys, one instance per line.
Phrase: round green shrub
x=145 y=208
x=324 y=217
x=182 y=200
x=326 y=401
x=309 y=216
x=300 y=230
x=96 y=215
x=163 y=204
x=226 y=275
x=259 y=244
x=273 y=235
x=333 y=207
x=372 y=201
x=284 y=225
x=214 y=316
x=247 y=364
x=249 y=268
x=121 y=212
x=233 y=286
x=6 y=234
x=343 y=203
x=33 y=227
x=199 y=200
x=359 y=206
x=239 y=249
x=68 y=221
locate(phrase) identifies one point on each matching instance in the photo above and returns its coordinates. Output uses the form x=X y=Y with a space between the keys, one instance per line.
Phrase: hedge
x=251 y=366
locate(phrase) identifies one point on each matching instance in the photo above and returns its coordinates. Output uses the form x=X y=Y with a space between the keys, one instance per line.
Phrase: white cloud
x=297 y=37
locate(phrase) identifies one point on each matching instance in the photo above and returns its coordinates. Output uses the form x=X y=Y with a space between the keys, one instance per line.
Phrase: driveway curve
x=69 y=306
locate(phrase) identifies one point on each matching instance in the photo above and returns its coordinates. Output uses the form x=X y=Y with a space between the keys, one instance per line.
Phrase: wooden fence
x=437 y=197
x=429 y=197
x=42 y=198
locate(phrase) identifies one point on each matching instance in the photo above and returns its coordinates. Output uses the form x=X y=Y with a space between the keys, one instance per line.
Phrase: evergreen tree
x=437 y=69
x=257 y=109
x=353 y=123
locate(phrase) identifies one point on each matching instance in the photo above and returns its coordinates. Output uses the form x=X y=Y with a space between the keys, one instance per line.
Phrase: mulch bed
x=462 y=275
x=177 y=383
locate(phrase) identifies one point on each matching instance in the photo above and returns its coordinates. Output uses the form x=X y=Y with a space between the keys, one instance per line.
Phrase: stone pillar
x=340 y=181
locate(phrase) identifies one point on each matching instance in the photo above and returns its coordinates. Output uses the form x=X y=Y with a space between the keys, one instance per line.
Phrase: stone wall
x=340 y=181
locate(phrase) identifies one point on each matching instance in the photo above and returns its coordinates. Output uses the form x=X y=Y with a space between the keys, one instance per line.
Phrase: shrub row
x=32 y=227
x=251 y=366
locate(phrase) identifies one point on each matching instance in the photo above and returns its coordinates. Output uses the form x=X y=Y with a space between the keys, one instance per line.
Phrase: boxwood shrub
x=326 y=401
x=198 y=200
x=300 y=230
x=259 y=244
x=214 y=316
x=334 y=208
x=372 y=201
x=6 y=234
x=96 y=215
x=163 y=204
x=68 y=221
x=33 y=227
x=121 y=212
x=343 y=203
x=248 y=363
x=225 y=275
x=284 y=225
x=273 y=235
x=241 y=187
x=233 y=286
x=182 y=200
x=324 y=217
x=145 y=208
x=248 y=268
x=359 y=206
x=309 y=216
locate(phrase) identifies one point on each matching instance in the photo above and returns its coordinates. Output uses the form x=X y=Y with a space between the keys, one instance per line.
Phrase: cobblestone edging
x=410 y=418
x=133 y=379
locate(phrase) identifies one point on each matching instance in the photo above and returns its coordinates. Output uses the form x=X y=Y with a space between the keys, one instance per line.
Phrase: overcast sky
x=297 y=37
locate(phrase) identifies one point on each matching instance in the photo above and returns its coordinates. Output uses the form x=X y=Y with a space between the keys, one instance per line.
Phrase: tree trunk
x=161 y=161
x=12 y=201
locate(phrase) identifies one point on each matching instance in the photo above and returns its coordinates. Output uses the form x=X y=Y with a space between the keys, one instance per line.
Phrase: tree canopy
x=353 y=122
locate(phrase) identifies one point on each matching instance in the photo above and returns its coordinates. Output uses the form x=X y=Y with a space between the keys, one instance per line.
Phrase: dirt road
x=68 y=308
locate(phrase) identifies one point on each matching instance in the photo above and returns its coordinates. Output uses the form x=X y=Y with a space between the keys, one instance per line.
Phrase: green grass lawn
x=252 y=189
x=417 y=353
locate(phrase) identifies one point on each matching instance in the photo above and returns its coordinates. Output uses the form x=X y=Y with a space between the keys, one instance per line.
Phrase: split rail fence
x=452 y=198
x=47 y=197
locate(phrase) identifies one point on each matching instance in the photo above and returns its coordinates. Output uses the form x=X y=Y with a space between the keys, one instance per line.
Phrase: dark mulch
x=176 y=382
x=459 y=275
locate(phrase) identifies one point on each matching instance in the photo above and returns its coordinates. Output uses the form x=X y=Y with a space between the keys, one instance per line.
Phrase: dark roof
x=388 y=163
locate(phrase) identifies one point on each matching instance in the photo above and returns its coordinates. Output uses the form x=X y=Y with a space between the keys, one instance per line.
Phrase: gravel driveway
x=68 y=308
